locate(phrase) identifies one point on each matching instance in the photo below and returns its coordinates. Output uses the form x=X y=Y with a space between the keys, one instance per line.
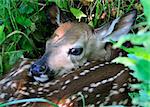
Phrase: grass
x=28 y=100
x=18 y=27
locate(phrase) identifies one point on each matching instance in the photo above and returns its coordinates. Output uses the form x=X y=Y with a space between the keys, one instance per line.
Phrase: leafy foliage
x=138 y=60
x=18 y=24
x=77 y=13
x=146 y=5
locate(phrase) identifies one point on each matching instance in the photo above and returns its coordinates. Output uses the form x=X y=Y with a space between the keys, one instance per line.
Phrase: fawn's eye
x=75 y=51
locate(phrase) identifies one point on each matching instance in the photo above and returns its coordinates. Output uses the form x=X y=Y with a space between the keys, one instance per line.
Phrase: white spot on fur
x=82 y=73
x=98 y=102
x=101 y=65
x=55 y=91
x=75 y=77
x=79 y=98
x=91 y=90
x=85 y=88
x=32 y=91
x=125 y=84
x=50 y=94
x=125 y=102
x=121 y=90
x=71 y=104
x=95 y=84
x=87 y=63
x=13 y=85
x=40 y=92
x=24 y=88
x=51 y=83
x=118 y=74
x=40 y=89
x=126 y=69
x=110 y=79
x=96 y=66
x=64 y=75
x=120 y=54
x=67 y=81
x=73 y=97
x=114 y=92
x=67 y=101
x=24 y=93
x=104 y=81
x=98 y=95
x=86 y=71
x=120 y=103
x=46 y=90
x=107 y=63
x=25 y=105
x=115 y=86
x=64 y=87
x=92 y=69
x=35 y=83
x=130 y=80
x=86 y=96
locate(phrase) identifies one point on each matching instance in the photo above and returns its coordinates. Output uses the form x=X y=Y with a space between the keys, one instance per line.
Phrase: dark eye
x=75 y=51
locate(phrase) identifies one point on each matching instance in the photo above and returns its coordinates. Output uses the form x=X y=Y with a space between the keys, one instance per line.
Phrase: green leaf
x=142 y=70
x=13 y=57
x=23 y=21
x=146 y=5
x=125 y=60
x=2 y=34
x=1 y=65
x=139 y=52
x=25 y=44
x=138 y=39
x=25 y=9
x=91 y=24
x=60 y=3
x=77 y=13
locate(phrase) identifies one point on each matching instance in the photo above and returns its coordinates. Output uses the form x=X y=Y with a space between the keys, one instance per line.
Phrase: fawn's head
x=72 y=44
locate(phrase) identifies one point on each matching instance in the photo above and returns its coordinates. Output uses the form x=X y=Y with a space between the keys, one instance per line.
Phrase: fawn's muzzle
x=40 y=71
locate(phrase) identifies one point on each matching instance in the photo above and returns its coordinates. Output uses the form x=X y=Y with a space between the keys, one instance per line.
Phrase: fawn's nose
x=41 y=73
x=40 y=70
x=37 y=69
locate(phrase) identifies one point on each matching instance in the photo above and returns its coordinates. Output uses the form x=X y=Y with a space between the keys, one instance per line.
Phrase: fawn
x=74 y=45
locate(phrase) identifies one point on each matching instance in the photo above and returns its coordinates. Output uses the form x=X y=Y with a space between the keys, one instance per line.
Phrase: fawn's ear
x=53 y=13
x=117 y=28
x=57 y=16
